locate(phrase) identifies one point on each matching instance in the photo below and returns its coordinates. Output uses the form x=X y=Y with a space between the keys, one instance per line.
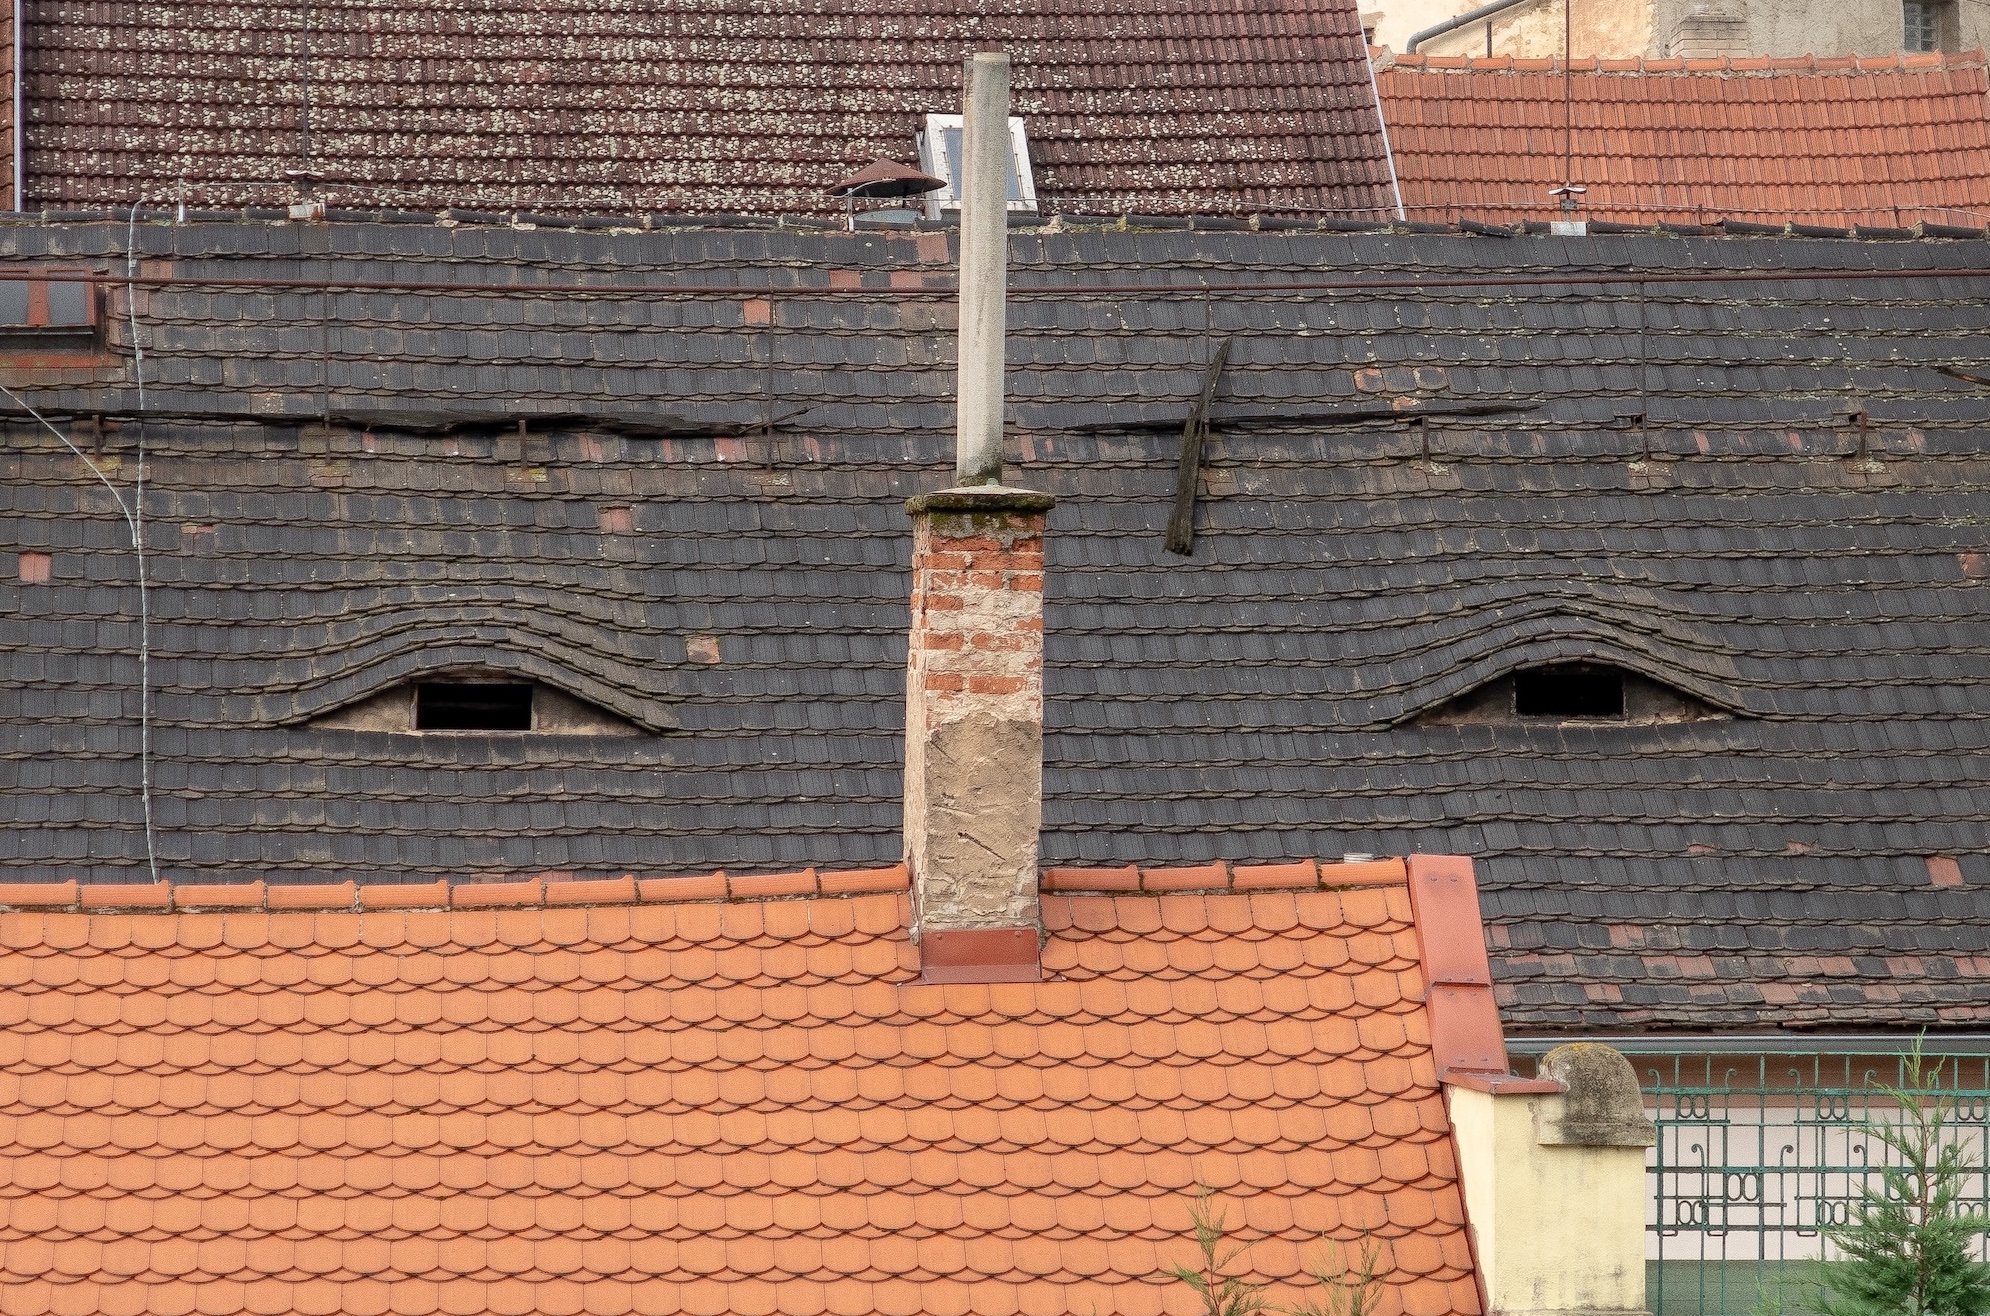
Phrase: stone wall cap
x=980 y=498
x=1602 y=1106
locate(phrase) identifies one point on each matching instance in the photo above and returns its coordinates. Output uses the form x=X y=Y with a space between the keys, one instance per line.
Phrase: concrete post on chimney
x=974 y=668
x=984 y=270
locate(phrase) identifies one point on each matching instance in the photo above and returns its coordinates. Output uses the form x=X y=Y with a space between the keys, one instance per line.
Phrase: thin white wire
x=133 y=524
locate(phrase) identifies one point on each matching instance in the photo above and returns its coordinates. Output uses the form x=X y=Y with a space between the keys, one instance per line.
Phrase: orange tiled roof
x=1886 y=142
x=586 y=1097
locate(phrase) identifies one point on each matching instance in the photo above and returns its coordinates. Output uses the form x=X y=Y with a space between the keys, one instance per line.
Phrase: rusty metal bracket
x=1181 y=525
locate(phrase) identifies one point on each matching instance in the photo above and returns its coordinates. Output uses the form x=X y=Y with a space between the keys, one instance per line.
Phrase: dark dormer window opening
x=1565 y=693
x=1569 y=692
x=475 y=700
x=473 y=706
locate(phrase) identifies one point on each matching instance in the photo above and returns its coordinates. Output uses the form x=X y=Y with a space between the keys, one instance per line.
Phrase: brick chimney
x=974 y=732
x=974 y=671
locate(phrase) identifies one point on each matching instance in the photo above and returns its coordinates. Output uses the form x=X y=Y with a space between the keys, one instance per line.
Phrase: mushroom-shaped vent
x=887 y=178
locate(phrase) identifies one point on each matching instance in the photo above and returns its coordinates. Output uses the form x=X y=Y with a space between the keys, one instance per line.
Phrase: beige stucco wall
x=1558 y=1229
x=1626 y=29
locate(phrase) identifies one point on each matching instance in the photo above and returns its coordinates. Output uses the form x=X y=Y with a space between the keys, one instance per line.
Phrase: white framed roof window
x=941 y=148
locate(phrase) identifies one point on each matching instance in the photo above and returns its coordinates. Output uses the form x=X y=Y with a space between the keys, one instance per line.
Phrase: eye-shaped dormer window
x=469 y=703
x=1575 y=694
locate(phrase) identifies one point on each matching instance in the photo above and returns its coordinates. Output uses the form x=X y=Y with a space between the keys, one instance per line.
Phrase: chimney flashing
x=981 y=955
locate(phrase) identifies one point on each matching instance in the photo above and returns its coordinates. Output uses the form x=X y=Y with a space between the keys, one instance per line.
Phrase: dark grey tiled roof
x=1253 y=701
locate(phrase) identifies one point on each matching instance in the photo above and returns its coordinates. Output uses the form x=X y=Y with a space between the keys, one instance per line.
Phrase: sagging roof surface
x=585 y=1101
x=1886 y=142
x=1672 y=481
x=628 y=106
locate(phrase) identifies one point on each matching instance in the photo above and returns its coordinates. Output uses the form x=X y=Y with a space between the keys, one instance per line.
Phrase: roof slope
x=1678 y=490
x=1889 y=142
x=746 y=1108
x=638 y=105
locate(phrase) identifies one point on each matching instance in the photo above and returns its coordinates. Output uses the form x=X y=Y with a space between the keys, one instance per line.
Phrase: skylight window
x=941 y=151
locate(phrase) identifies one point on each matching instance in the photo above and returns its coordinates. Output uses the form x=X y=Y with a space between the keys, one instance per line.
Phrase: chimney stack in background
x=974 y=669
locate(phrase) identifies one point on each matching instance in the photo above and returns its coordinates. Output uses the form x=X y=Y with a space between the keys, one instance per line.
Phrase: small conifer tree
x=1911 y=1247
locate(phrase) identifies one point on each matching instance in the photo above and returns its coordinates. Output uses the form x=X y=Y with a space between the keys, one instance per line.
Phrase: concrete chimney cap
x=981 y=498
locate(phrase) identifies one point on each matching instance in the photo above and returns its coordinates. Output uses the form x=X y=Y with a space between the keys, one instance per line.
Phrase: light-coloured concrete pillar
x=1555 y=1184
x=974 y=732
x=984 y=270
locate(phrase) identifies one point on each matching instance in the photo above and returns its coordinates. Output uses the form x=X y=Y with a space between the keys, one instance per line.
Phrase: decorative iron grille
x=1758 y=1157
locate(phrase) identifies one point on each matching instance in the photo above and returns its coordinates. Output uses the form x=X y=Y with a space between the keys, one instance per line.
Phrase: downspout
x=1388 y=151
x=1463 y=20
x=20 y=129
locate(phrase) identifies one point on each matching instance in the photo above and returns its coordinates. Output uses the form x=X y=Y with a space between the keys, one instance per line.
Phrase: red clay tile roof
x=1165 y=106
x=574 y=1099
x=1887 y=142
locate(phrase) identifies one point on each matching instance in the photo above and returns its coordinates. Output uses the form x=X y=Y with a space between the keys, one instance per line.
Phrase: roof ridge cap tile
x=1224 y=877
x=530 y=893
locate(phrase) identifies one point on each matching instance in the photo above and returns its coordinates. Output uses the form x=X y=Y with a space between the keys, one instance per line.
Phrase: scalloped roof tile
x=753 y=1106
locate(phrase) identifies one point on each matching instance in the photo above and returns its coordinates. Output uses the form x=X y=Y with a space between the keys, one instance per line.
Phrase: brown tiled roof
x=1165 y=106
x=718 y=1095
x=1887 y=142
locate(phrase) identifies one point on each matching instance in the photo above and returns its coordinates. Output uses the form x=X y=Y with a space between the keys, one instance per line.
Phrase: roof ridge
x=1722 y=66
x=541 y=892
x=531 y=893
x=1221 y=876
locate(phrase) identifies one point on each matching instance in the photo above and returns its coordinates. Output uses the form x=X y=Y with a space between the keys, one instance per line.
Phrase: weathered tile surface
x=746 y=594
x=633 y=106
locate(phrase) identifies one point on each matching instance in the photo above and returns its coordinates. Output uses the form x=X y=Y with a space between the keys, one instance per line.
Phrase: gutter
x=1452 y=24
x=1774 y=1044
x=1388 y=151
x=20 y=129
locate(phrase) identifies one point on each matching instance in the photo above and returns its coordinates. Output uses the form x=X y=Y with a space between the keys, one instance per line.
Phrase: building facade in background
x=1686 y=29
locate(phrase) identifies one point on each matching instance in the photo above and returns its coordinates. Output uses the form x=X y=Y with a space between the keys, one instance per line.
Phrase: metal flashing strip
x=1835 y=1044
